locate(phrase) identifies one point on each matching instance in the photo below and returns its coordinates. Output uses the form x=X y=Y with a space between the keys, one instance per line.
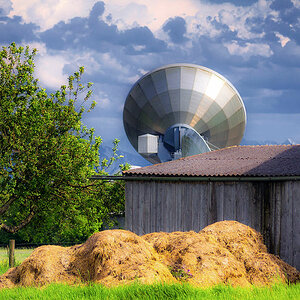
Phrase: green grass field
x=158 y=291
x=20 y=255
x=138 y=291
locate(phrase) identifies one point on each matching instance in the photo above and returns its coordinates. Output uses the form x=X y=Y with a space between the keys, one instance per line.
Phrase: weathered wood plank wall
x=272 y=208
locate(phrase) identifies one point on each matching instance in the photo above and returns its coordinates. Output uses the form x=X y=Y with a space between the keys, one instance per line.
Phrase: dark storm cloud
x=14 y=30
x=94 y=33
x=176 y=29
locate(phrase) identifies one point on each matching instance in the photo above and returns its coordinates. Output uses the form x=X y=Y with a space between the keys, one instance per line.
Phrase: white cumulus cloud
x=151 y=13
x=283 y=39
x=249 y=49
x=47 y=13
x=296 y=3
x=49 y=70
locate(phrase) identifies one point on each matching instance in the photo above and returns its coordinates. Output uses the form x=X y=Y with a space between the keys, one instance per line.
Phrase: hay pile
x=224 y=252
x=109 y=257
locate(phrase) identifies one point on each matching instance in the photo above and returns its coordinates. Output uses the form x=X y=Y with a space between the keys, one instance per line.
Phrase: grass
x=20 y=255
x=139 y=291
x=157 y=291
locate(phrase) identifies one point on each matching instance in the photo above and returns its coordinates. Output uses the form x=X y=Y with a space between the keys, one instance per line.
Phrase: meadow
x=20 y=255
x=157 y=291
x=139 y=291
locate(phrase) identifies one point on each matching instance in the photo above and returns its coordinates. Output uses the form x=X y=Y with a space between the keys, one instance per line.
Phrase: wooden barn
x=256 y=185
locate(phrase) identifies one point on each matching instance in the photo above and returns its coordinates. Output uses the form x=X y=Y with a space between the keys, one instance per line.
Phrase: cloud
x=255 y=44
x=49 y=70
x=97 y=11
x=281 y=5
x=103 y=100
x=47 y=13
x=283 y=39
x=141 y=36
x=14 y=30
x=249 y=49
x=296 y=3
x=283 y=19
x=126 y=14
x=5 y=7
x=95 y=33
x=41 y=47
x=235 y=2
x=176 y=29
x=152 y=13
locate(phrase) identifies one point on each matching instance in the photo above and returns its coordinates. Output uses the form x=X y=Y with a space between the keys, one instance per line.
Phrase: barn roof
x=270 y=161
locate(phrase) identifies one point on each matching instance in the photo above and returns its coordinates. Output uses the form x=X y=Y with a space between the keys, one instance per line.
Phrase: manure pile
x=225 y=252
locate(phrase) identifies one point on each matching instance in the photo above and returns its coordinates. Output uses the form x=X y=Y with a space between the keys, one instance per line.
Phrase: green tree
x=46 y=153
x=75 y=223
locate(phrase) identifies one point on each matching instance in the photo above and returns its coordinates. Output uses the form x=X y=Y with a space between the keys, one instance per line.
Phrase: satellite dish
x=180 y=110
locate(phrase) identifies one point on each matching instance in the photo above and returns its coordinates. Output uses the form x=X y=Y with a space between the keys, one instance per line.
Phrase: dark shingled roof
x=278 y=160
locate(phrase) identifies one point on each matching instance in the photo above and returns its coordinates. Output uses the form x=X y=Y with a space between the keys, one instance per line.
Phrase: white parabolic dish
x=192 y=95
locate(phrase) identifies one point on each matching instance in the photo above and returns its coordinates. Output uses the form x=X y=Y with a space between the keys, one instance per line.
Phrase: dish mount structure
x=180 y=110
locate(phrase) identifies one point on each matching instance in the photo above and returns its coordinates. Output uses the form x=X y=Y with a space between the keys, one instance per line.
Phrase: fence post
x=11 y=254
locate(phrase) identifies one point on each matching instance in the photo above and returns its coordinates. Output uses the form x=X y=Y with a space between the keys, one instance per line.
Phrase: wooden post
x=11 y=254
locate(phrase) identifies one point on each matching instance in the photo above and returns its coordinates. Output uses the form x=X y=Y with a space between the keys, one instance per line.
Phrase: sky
x=255 y=44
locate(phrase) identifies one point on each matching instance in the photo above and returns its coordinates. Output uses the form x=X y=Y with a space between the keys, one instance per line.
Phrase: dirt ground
x=224 y=252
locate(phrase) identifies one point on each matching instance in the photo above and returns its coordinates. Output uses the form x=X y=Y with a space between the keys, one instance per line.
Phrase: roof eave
x=197 y=178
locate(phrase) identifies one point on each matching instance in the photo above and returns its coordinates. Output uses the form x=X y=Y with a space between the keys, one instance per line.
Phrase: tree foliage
x=74 y=223
x=46 y=153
